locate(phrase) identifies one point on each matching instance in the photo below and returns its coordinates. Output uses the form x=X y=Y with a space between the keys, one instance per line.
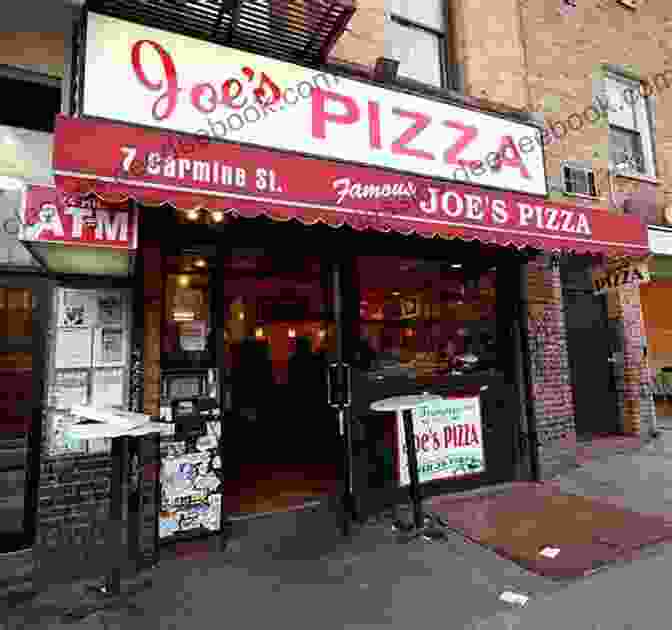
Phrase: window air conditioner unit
x=579 y=181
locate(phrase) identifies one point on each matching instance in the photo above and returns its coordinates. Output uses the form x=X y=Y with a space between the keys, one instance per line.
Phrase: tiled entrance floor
x=522 y=520
x=277 y=487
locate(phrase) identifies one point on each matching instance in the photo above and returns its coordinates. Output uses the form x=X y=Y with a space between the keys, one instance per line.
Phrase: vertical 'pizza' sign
x=448 y=440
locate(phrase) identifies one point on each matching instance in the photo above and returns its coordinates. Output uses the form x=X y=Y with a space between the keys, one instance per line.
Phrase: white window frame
x=406 y=22
x=642 y=124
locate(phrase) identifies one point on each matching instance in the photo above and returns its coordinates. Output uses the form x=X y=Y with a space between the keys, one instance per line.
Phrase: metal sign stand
x=427 y=526
x=110 y=593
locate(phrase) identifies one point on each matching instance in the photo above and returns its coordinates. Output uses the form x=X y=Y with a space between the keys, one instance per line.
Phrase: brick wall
x=633 y=375
x=364 y=40
x=565 y=52
x=36 y=51
x=74 y=499
x=74 y=516
x=553 y=401
x=490 y=50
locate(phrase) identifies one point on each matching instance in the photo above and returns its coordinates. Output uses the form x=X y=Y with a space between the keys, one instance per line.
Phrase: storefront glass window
x=425 y=319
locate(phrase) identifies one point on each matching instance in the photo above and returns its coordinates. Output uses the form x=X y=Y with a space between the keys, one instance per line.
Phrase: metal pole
x=343 y=419
x=409 y=438
x=118 y=548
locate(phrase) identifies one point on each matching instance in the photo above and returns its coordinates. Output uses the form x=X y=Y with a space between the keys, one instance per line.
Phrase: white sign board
x=149 y=77
x=448 y=440
x=660 y=241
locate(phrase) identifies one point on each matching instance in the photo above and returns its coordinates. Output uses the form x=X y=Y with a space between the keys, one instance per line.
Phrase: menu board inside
x=90 y=359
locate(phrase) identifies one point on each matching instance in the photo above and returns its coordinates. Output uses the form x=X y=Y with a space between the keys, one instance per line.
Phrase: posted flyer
x=109 y=346
x=77 y=309
x=110 y=310
x=73 y=348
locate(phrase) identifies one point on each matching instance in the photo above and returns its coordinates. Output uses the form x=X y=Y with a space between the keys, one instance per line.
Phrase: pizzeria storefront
x=313 y=264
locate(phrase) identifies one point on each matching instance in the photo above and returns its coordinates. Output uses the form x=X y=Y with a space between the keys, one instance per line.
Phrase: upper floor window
x=630 y=137
x=415 y=35
x=33 y=104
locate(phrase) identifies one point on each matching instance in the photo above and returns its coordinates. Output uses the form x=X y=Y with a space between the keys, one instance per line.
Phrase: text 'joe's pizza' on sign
x=448 y=440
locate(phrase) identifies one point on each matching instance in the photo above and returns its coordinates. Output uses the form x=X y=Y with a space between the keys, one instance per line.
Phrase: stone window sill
x=587 y=197
x=637 y=177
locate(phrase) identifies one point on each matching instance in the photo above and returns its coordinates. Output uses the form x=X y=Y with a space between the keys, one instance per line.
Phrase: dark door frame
x=40 y=287
x=569 y=288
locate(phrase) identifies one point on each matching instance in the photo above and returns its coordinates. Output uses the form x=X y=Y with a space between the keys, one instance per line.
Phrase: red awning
x=117 y=162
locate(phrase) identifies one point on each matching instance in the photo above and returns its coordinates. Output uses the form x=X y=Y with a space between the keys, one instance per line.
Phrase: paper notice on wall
x=70 y=387
x=77 y=308
x=109 y=346
x=108 y=387
x=73 y=348
x=110 y=311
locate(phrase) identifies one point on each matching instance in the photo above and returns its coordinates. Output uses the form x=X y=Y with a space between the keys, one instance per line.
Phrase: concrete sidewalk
x=370 y=582
x=373 y=581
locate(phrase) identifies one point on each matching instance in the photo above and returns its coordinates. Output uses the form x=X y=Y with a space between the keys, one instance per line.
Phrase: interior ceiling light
x=200 y=263
x=395 y=293
x=457 y=266
x=192 y=215
x=218 y=216
x=259 y=332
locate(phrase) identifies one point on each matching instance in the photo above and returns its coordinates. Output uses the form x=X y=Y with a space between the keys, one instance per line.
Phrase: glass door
x=22 y=364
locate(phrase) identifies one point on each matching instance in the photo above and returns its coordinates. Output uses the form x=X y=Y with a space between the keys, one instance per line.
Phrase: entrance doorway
x=22 y=304
x=589 y=350
x=279 y=337
x=407 y=314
